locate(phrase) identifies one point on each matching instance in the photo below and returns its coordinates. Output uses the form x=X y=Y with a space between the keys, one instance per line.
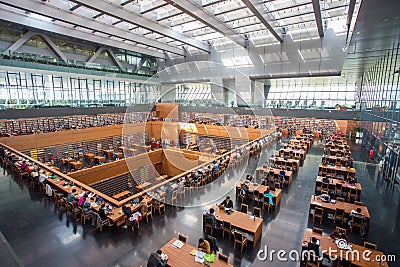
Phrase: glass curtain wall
x=27 y=90
x=319 y=93
x=380 y=105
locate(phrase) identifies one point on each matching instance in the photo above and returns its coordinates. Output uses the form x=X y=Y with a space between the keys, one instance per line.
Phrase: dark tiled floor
x=41 y=236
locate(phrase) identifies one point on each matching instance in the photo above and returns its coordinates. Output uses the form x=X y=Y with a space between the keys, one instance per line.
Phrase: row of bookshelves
x=328 y=126
x=263 y=122
x=219 y=142
x=78 y=150
x=40 y=125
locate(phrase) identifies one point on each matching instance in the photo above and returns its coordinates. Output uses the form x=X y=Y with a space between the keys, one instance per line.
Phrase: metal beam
x=252 y=5
x=68 y=17
x=75 y=7
x=51 y=27
x=352 y=4
x=45 y=38
x=200 y=14
x=318 y=17
x=153 y=7
x=127 y=2
x=118 y=12
x=110 y=54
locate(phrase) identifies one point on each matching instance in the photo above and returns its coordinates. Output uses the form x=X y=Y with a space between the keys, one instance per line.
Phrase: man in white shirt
x=42 y=177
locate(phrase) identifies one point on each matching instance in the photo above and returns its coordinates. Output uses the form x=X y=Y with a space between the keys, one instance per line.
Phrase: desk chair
x=244 y=208
x=84 y=216
x=208 y=225
x=339 y=213
x=222 y=257
x=159 y=204
x=148 y=212
x=338 y=189
x=265 y=202
x=340 y=229
x=370 y=245
x=174 y=197
x=226 y=228
x=312 y=261
x=257 y=212
x=239 y=239
x=318 y=213
x=100 y=223
x=318 y=231
x=357 y=221
x=359 y=203
x=182 y=238
x=353 y=194
x=256 y=195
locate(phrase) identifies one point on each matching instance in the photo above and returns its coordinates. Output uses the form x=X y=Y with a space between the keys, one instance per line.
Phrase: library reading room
x=153 y=133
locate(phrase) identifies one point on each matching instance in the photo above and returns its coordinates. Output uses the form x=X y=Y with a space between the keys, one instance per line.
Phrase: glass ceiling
x=190 y=19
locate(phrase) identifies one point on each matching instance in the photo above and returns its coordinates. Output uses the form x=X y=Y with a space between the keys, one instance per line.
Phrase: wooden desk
x=76 y=165
x=180 y=257
x=261 y=188
x=108 y=152
x=120 y=155
x=295 y=163
x=289 y=152
x=331 y=208
x=89 y=156
x=100 y=159
x=241 y=222
x=141 y=187
x=260 y=170
x=335 y=170
x=122 y=194
x=333 y=182
x=326 y=242
x=333 y=159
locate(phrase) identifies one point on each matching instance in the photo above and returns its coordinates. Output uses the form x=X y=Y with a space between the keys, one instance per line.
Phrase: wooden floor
x=41 y=236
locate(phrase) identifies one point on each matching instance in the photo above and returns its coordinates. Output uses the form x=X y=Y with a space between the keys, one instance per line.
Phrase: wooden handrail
x=60 y=174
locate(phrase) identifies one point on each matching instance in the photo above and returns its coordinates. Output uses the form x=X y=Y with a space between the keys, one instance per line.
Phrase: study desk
x=295 y=163
x=241 y=221
x=76 y=165
x=262 y=188
x=344 y=161
x=327 y=244
x=292 y=152
x=99 y=159
x=89 y=156
x=336 y=170
x=142 y=186
x=181 y=257
x=333 y=183
x=108 y=152
x=121 y=194
x=330 y=207
x=301 y=142
x=262 y=174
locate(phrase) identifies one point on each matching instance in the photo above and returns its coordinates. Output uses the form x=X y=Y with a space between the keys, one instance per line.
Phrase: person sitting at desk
x=267 y=193
x=157 y=259
x=194 y=176
x=87 y=204
x=351 y=180
x=326 y=180
x=227 y=203
x=282 y=174
x=243 y=189
x=216 y=166
x=43 y=177
x=249 y=178
x=23 y=165
x=338 y=234
x=204 y=246
x=314 y=248
x=71 y=197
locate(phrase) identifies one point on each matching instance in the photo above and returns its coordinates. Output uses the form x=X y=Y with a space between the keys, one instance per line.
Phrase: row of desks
x=330 y=249
x=262 y=174
x=262 y=188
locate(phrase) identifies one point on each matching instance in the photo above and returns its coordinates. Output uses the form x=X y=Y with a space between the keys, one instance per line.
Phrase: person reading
x=204 y=246
x=267 y=193
x=157 y=259
x=338 y=234
x=227 y=203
